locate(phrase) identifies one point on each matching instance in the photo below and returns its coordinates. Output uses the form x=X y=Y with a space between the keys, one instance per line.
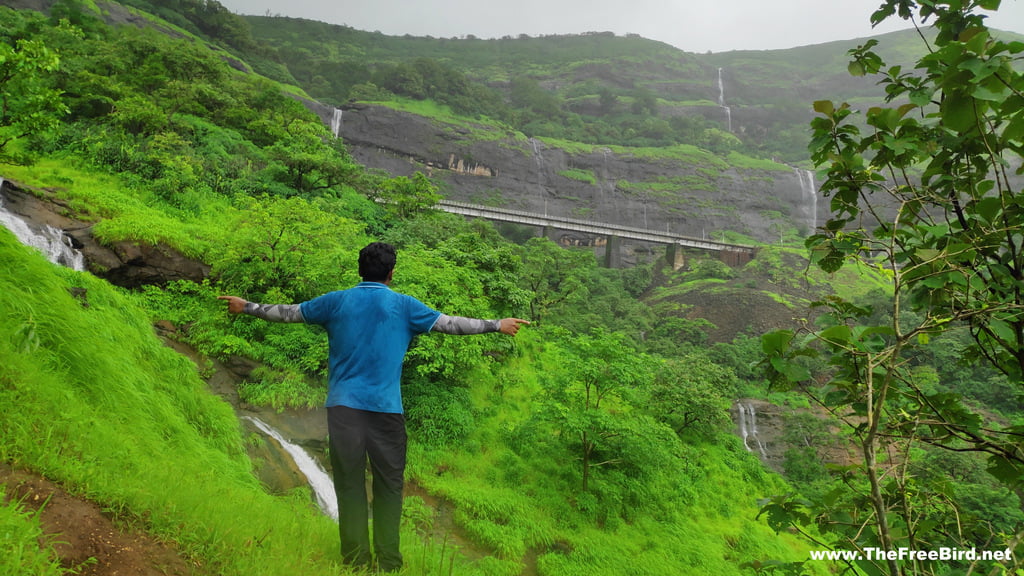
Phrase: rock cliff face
x=688 y=192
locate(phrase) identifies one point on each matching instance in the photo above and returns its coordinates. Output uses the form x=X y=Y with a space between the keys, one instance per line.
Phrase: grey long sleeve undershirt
x=275 y=312
x=462 y=326
x=457 y=325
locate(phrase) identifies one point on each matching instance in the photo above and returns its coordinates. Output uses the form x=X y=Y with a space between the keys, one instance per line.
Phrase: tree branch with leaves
x=927 y=189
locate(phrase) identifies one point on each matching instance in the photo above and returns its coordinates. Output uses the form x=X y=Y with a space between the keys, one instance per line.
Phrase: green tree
x=607 y=101
x=401 y=79
x=554 y=275
x=931 y=175
x=692 y=395
x=645 y=102
x=29 y=104
x=287 y=248
x=403 y=197
x=312 y=161
x=527 y=94
x=601 y=369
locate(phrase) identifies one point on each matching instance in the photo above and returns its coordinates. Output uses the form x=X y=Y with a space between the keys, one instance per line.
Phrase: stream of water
x=809 y=196
x=52 y=242
x=319 y=480
x=748 y=428
x=721 y=100
x=336 y=122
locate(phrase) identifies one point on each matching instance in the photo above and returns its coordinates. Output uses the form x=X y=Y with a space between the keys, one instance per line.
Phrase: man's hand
x=511 y=325
x=236 y=305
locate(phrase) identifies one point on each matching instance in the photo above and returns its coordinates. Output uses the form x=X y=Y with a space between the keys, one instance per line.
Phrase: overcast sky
x=691 y=25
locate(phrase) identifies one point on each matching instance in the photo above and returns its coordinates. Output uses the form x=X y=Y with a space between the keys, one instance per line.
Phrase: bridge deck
x=586 y=226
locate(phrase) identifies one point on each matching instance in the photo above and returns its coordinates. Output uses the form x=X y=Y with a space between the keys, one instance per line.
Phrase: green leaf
x=958 y=112
x=776 y=342
x=1002 y=330
x=836 y=334
x=992 y=92
x=825 y=107
x=872 y=331
x=989 y=208
x=1005 y=471
x=791 y=370
x=1014 y=131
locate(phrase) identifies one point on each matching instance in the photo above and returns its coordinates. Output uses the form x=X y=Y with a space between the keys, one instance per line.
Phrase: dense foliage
x=597 y=442
x=160 y=141
x=596 y=88
x=925 y=192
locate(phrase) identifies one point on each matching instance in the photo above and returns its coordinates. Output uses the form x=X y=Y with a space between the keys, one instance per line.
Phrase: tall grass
x=24 y=549
x=518 y=503
x=121 y=212
x=103 y=407
x=99 y=404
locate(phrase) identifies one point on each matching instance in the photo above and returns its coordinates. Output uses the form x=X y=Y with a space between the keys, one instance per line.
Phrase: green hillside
x=163 y=143
x=515 y=468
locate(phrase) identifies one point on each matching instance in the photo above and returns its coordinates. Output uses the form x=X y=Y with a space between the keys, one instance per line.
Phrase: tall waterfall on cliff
x=809 y=196
x=318 y=478
x=336 y=122
x=721 y=100
x=52 y=242
x=538 y=158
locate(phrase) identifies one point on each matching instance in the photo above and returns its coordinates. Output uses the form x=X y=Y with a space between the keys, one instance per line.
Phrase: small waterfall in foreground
x=52 y=242
x=809 y=196
x=319 y=480
x=336 y=122
x=721 y=100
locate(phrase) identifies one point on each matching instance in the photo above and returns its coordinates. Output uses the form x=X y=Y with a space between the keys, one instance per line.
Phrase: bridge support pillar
x=550 y=233
x=613 y=252
x=675 y=257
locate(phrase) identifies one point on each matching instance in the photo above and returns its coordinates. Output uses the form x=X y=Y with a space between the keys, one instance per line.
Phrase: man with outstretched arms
x=369 y=328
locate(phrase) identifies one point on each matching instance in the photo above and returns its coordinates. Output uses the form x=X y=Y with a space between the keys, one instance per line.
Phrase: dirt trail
x=87 y=539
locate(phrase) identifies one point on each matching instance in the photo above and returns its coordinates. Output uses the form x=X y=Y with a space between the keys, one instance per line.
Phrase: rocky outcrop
x=124 y=263
x=690 y=192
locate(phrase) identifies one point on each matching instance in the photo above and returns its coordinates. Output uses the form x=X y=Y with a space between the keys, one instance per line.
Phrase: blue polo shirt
x=369 y=328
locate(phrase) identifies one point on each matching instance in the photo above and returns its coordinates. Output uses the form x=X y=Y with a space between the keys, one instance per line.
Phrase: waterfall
x=336 y=122
x=744 y=433
x=721 y=100
x=51 y=241
x=318 y=478
x=748 y=428
x=538 y=159
x=809 y=198
x=753 y=430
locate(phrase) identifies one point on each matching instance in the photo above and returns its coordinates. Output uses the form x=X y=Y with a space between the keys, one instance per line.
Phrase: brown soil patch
x=85 y=538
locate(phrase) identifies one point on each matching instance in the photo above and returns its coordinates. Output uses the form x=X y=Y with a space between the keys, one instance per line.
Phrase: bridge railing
x=589 y=226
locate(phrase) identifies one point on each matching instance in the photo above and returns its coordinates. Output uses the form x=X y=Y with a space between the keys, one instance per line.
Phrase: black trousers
x=356 y=435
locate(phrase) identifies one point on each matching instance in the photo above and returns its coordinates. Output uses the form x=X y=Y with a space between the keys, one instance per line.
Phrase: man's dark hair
x=376 y=261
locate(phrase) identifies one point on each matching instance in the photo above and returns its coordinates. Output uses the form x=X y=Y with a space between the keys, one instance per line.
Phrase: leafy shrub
x=439 y=415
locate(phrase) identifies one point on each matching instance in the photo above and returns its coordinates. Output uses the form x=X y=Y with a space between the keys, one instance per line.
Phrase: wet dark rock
x=126 y=263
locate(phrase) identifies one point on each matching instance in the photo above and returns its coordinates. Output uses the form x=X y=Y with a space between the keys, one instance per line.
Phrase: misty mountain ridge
x=618 y=129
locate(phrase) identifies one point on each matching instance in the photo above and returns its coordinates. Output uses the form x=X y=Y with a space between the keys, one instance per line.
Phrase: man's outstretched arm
x=462 y=326
x=272 y=312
